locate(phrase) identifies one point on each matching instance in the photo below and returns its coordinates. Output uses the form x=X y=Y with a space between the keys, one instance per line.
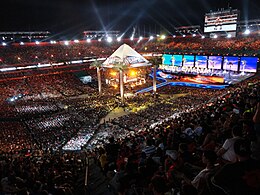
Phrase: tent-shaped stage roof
x=125 y=54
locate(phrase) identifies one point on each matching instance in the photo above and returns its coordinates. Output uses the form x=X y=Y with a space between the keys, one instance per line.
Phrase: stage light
x=89 y=40
x=229 y=36
x=247 y=32
x=109 y=39
x=76 y=41
x=37 y=42
x=132 y=73
x=183 y=35
x=18 y=58
x=118 y=39
x=4 y=44
x=21 y=43
x=131 y=38
x=99 y=40
x=113 y=73
x=163 y=37
x=215 y=36
x=140 y=38
x=173 y=36
x=151 y=38
x=203 y=37
x=66 y=42
x=194 y=35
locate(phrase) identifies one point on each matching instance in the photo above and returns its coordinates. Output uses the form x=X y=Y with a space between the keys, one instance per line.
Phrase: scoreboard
x=225 y=20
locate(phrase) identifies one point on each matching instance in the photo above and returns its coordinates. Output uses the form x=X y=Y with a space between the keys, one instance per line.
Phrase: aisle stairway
x=97 y=183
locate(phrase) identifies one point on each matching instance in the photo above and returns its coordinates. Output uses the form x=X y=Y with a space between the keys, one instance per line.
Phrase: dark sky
x=61 y=16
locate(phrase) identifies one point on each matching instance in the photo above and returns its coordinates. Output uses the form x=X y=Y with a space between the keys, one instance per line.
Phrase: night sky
x=66 y=16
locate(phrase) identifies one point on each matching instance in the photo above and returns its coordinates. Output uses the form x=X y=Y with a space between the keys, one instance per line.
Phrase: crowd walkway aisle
x=98 y=184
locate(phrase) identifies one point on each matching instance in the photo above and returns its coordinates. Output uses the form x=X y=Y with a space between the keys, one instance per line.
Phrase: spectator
x=239 y=177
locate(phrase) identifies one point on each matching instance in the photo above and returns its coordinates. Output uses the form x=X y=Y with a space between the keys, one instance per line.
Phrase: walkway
x=115 y=113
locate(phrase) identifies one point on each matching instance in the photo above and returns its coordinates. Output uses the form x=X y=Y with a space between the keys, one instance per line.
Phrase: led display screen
x=188 y=60
x=248 y=64
x=215 y=62
x=167 y=59
x=201 y=61
x=225 y=20
x=230 y=63
x=177 y=60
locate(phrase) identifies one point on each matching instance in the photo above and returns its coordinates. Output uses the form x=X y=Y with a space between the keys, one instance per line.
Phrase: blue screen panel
x=201 y=61
x=167 y=59
x=248 y=64
x=215 y=62
x=177 y=60
x=230 y=63
x=188 y=60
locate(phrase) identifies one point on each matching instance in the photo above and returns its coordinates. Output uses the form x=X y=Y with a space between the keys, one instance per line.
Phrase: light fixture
x=109 y=39
x=163 y=36
x=247 y=32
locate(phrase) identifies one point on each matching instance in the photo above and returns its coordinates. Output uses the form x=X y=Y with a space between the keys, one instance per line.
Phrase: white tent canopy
x=125 y=54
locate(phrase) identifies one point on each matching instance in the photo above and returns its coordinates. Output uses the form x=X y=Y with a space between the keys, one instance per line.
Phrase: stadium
x=154 y=111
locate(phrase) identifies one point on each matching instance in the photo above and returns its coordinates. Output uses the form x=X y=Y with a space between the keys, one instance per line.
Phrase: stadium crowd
x=201 y=142
x=143 y=147
x=221 y=133
x=59 y=52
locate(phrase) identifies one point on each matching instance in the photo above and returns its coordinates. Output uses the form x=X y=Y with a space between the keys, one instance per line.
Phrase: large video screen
x=188 y=60
x=230 y=63
x=248 y=64
x=201 y=61
x=177 y=60
x=204 y=79
x=225 y=20
x=215 y=62
x=167 y=59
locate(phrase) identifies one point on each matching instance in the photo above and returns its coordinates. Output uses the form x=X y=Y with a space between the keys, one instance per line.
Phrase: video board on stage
x=177 y=60
x=204 y=79
x=248 y=64
x=214 y=62
x=188 y=60
x=230 y=63
x=167 y=59
x=201 y=61
x=225 y=20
